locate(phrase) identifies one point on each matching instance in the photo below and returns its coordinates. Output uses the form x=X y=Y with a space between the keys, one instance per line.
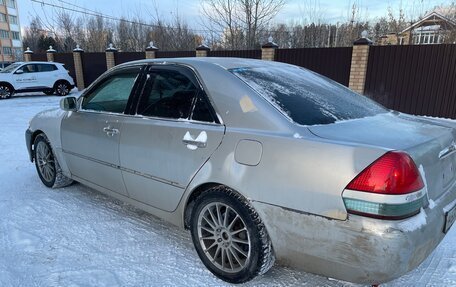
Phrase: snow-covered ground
x=79 y=237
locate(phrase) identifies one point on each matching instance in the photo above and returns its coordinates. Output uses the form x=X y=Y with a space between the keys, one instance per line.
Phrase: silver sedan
x=261 y=161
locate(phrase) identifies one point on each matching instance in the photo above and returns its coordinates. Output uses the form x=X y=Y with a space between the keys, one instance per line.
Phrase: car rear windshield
x=306 y=97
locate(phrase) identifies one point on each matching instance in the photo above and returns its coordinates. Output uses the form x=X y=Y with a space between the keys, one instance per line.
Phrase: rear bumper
x=28 y=142
x=359 y=249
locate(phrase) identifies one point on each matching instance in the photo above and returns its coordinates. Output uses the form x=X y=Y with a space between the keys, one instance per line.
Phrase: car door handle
x=110 y=131
x=192 y=143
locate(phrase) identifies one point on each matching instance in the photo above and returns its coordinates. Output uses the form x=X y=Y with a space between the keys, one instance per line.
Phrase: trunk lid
x=430 y=142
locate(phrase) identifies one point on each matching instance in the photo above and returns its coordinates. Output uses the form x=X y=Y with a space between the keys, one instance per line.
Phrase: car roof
x=223 y=62
x=37 y=62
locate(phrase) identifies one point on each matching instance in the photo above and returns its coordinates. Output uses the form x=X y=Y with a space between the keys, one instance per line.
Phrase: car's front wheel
x=62 y=88
x=6 y=91
x=229 y=236
x=47 y=165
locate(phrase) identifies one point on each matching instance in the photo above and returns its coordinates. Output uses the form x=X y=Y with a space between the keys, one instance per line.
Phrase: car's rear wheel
x=6 y=91
x=229 y=236
x=47 y=165
x=62 y=88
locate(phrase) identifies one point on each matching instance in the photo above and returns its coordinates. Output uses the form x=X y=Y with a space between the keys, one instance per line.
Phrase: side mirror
x=20 y=71
x=69 y=104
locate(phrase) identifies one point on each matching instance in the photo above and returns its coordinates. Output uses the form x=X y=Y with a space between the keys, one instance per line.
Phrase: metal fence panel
x=175 y=54
x=93 y=65
x=416 y=79
x=334 y=63
x=123 y=57
x=68 y=61
x=253 y=54
x=39 y=57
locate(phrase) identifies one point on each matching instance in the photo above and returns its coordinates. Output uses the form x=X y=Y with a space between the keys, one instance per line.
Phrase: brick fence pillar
x=150 y=51
x=358 y=70
x=28 y=55
x=202 y=50
x=77 y=57
x=268 y=50
x=50 y=54
x=110 y=56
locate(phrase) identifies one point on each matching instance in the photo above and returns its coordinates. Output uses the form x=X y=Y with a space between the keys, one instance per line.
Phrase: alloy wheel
x=224 y=237
x=62 y=89
x=5 y=92
x=45 y=161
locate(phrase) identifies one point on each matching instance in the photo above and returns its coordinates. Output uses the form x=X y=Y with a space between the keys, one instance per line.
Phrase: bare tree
x=32 y=34
x=396 y=22
x=240 y=21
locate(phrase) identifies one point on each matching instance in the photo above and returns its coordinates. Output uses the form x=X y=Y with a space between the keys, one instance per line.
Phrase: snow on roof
x=427 y=28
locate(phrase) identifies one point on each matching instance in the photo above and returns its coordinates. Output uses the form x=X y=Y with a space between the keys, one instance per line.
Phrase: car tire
x=46 y=164
x=229 y=236
x=6 y=91
x=62 y=88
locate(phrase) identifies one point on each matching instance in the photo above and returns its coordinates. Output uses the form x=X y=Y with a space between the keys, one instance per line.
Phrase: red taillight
x=393 y=173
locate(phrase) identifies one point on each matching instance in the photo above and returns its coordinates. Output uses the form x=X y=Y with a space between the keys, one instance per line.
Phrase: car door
x=46 y=75
x=27 y=79
x=173 y=133
x=90 y=136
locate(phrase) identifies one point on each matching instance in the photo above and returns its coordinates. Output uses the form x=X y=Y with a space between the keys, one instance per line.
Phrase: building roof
x=429 y=16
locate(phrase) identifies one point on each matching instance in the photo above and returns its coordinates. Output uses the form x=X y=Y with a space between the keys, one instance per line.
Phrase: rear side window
x=46 y=67
x=306 y=97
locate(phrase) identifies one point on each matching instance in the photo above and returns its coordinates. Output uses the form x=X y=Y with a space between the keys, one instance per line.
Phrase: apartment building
x=10 y=32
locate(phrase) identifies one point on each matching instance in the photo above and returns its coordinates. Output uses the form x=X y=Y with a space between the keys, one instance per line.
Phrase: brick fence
x=413 y=79
x=86 y=67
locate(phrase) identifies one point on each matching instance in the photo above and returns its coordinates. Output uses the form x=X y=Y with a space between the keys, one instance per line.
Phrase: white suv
x=47 y=77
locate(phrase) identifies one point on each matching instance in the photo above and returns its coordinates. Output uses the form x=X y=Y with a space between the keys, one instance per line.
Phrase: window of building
x=427 y=38
x=4 y=34
x=11 y=3
x=7 y=51
x=13 y=19
x=15 y=35
x=2 y=17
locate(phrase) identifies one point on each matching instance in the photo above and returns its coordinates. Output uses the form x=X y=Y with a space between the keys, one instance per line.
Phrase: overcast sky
x=295 y=10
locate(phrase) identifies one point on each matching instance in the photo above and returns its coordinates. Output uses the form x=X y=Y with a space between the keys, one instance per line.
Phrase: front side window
x=111 y=95
x=306 y=97
x=30 y=68
x=167 y=94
